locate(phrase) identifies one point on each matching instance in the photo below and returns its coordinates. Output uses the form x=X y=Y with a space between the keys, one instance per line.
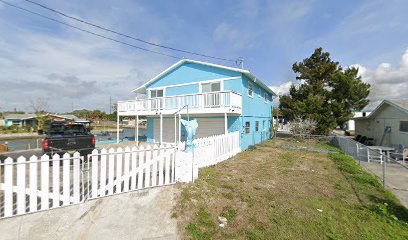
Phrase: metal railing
x=194 y=101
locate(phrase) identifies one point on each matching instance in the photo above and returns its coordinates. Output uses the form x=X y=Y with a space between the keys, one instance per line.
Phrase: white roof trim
x=141 y=89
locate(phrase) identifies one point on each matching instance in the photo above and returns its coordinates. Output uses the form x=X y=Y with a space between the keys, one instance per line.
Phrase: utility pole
x=240 y=62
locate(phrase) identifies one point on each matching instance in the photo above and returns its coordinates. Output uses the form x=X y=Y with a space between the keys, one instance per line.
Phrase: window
x=211 y=99
x=263 y=125
x=156 y=103
x=247 y=127
x=404 y=126
x=256 y=126
x=156 y=93
x=250 y=89
x=266 y=97
x=211 y=87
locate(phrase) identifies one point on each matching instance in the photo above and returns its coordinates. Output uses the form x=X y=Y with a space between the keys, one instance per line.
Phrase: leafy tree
x=327 y=94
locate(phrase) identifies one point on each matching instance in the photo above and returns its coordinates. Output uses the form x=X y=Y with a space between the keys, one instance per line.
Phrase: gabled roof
x=400 y=104
x=250 y=75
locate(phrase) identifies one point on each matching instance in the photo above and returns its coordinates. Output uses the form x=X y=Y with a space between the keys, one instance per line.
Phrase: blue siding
x=254 y=108
x=233 y=85
x=191 y=72
x=149 y=133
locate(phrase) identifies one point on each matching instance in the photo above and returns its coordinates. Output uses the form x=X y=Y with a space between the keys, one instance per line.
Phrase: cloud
x=387 y=81
x=282 y=89
x=69 y=68
x=238 y=40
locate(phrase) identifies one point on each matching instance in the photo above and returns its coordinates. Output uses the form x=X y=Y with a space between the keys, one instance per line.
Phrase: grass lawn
x=272 y=192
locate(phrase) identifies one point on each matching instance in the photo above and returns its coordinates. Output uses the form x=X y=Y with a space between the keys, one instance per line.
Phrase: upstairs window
x=256 y=126
x=156 y=93
x=211 y=87
x=250 y=89
x=266 y=97
x=404 y=126
x=247 y=127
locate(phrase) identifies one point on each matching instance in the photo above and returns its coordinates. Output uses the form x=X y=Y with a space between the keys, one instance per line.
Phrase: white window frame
x=211 y=81
x=249 y=127
x=256 y=126
x=252 y=87
x=266 y=97
x=157 y=89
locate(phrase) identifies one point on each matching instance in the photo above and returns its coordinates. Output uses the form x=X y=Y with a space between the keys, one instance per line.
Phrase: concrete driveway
x=396 y=178
x=143 y=214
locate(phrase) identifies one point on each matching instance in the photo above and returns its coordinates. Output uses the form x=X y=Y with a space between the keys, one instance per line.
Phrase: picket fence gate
x=38 y=184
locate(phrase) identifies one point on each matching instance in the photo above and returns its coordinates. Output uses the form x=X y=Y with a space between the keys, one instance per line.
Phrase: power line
x=87 y=31
x=128 y=36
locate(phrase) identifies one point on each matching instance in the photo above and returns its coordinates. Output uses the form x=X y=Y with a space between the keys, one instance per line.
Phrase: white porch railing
x=203 y=101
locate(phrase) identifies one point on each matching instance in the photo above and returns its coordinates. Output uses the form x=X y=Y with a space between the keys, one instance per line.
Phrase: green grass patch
x=272 y=192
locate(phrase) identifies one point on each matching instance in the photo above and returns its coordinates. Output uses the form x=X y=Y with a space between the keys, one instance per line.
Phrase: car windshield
x=67 y=129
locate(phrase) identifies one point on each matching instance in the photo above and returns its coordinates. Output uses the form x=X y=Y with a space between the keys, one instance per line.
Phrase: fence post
x=383 y=170
x=358 y=154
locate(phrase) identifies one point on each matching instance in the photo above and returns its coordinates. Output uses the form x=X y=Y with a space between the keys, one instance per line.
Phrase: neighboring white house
x=387 y=124
x=350 y=125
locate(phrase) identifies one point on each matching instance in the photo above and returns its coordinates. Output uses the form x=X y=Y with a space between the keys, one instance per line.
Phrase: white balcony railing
x=204 y=101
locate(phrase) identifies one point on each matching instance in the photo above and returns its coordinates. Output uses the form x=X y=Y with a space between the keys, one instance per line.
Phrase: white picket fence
x=35 y=184
x=38 y=184
x=212 y=150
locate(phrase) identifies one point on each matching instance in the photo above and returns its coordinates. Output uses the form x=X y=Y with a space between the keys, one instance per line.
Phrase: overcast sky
x=43 y=59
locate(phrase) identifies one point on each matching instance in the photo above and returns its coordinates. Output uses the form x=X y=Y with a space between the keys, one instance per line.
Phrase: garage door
x=206 y=127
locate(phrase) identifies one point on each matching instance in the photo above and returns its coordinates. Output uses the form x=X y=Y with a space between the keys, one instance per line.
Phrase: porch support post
x=175 y=129
x=225 y=123
x=179 y=132
x=161 y=128
x=117 y=127
x=137 y=130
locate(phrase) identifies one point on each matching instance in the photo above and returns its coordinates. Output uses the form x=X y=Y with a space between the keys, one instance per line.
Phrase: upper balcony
x=200 y=103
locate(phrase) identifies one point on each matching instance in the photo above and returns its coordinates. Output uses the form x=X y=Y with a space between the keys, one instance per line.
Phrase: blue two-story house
x=222 y=99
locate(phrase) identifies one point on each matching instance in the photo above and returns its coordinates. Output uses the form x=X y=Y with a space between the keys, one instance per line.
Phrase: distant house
x=20 y=119
x=222 y=99
x=387 y=124
x=350 y=125
x=30 y=119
